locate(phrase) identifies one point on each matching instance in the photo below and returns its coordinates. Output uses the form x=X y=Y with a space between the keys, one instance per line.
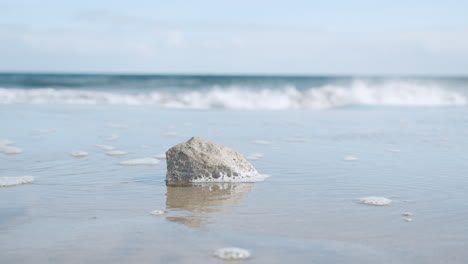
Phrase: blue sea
x=327 y=142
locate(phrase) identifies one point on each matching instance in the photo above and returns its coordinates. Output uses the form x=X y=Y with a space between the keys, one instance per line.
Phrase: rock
x=199 y=160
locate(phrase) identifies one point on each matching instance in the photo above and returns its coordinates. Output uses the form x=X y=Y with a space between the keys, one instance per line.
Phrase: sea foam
x=12 y=181
x=373 y=200
x=358 y=92
x=142 y=161
x=232 y=253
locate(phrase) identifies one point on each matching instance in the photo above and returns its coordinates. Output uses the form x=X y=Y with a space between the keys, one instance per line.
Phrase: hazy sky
x=242 y=36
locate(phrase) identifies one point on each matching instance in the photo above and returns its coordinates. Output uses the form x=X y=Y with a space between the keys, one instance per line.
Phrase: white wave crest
x=359 y=92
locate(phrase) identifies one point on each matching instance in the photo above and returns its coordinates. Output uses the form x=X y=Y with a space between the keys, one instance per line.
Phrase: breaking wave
x=398 y=93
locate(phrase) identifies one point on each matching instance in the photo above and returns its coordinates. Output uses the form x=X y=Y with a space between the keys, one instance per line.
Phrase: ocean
x=326 y=142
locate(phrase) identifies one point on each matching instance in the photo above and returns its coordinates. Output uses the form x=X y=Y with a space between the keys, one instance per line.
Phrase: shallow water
x=92 y=209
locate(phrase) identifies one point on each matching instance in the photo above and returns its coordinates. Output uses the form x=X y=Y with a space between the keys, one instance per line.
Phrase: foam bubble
x=10 y=150
x=261 y=142
x=169 y=134
x=297 y=139
x=394 y=150
x=105 y=147
x=350 y=158
x=232 y=253
x=12 y=181
x=142 y=161
x=5 y=142
x=157 y=212
x=373 y=200
x=111 y=137
x=161 y=156
x=254 y=156
x=407 y=214
x=116 y=153
x=226 y=178
x=408 y=219
x=44 y=131
x=79 y=154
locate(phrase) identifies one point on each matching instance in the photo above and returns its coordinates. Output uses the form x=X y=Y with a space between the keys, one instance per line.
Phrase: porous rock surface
x=199 y=160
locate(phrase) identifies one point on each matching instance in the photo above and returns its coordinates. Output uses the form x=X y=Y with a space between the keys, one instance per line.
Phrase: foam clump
x=199 y=160
x=232 y=253
x=111 y=137
x=161 y=156
x=157 y=212
x=142 y=161
x=12 y=181
x=393 y=150
x=105 y=147
x=297 y=139
x=350 y=158
x=407 y=214
x=254 y=156
x=79 y=154
x=6 y=148
x=373 y=200
x=44 y=131
x=116 y=153
x=5 y=142
x=169 y=134
x=261 y=142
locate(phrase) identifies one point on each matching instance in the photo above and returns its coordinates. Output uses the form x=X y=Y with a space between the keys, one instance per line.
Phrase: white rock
x=373 y=200
x=232 y=253
x=11 y=181
x=79 y=154
x=116 y=153
x=199 y=160
x=142 y=161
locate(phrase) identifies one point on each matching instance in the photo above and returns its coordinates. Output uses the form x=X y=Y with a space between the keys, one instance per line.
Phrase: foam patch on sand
x=79 y=154
x=12 y=181
x=116 y=153
x=374 y=200
x=226 y=178
x=143 y=161
x=232 y=253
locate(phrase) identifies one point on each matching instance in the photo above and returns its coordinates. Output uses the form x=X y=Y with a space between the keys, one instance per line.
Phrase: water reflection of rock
x=192 y=205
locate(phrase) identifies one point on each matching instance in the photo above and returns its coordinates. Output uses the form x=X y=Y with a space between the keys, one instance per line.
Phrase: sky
x=360 y=37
